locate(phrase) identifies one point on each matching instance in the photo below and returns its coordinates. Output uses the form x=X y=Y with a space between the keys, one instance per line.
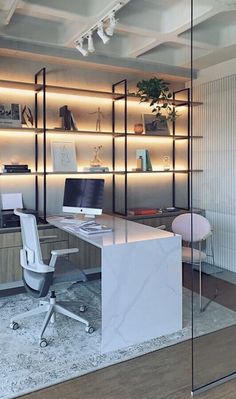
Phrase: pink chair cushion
x=192 y=227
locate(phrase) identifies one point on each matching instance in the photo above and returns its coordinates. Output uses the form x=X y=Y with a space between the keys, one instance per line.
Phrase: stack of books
x=16 y=168
x=142 y=211
x=96 y=169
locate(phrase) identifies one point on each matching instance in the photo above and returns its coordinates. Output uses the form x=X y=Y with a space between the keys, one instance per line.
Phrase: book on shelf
x=16 y=168
x=142 y=211
x=146 y=160
x=15 y=165
x=96 y=169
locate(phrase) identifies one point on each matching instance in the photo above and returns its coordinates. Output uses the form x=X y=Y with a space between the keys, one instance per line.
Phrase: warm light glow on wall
x=76 y=98
x=83 y=138
x=152 y=140
x=12 y=133
x=20 y=92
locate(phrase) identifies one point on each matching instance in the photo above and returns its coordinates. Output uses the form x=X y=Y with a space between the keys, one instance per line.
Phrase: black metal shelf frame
x=119 y=178
x=184 y=101
x=40 y=87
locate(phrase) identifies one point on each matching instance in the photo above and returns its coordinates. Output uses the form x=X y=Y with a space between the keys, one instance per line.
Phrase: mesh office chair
x=38 y=276
x=195 y=228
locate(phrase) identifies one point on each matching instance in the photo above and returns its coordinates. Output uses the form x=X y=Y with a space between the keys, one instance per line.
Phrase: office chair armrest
x=207 y=235
x=161 y=227
x=47 y=237
x=60 y=252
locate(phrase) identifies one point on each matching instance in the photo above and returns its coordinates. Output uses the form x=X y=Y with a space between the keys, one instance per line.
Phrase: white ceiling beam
x=8 y=10
x=48 y=13
x=173 y=36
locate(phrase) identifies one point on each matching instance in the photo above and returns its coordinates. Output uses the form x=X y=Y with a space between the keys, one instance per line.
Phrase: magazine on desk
x=90 y=228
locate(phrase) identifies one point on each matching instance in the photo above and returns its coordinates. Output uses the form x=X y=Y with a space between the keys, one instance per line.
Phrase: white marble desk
x=141 y=281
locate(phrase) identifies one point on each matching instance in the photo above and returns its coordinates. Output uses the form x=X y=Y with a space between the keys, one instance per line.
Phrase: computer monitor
x=84 y=196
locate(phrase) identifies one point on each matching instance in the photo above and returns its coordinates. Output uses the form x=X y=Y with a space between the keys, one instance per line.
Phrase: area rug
x=71 y=352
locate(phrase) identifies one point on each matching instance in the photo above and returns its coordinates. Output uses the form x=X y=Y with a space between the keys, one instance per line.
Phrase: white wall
x=214 y=190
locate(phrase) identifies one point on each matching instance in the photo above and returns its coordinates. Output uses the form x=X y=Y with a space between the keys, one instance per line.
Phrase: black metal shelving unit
x=120 y=170
x=40 y=89
x=120 y=203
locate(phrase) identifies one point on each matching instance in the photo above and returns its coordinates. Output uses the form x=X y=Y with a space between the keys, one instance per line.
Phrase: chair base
x=50 y=308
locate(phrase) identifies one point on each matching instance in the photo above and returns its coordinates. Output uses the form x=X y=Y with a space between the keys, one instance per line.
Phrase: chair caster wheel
x=89 y=329
x=14 y=325
x=43 y=343
x=82 y=308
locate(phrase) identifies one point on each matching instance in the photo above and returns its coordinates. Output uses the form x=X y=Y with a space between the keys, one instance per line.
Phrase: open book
x=94 y=228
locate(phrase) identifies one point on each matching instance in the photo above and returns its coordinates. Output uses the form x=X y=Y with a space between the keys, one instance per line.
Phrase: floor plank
x=164 y=374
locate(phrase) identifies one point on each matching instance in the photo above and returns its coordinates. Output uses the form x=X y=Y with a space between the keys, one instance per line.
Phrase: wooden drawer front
x=61 y=235
x=10 y=240
x=88 y=255
x=46 y=248
x=10 y=269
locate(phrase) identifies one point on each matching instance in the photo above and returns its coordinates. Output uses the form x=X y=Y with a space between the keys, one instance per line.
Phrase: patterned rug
x=71 y=352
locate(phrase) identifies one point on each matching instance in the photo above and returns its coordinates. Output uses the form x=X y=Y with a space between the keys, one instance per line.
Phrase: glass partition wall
x=213 y=193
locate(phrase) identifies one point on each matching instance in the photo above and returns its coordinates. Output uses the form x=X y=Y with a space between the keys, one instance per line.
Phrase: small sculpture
x=99 y=118
x=166 y=163
x=96 y=161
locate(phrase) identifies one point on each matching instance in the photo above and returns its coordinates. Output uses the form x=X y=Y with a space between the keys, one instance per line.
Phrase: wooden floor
x=164 y=374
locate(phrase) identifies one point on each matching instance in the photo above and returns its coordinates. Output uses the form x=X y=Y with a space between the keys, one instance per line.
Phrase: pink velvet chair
x=194 y=229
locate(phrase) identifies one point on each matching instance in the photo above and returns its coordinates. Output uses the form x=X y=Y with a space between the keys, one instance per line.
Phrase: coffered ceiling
x=152 y=35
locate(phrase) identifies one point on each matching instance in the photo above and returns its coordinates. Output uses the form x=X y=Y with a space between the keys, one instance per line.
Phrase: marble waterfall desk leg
x=141 y=291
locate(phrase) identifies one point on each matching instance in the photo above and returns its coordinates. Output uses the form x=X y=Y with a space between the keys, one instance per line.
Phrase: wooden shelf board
x=164 y=171
x=144 y=135
x=77 y=132
x=179 y=103
x=22 y=174
x=19 y=130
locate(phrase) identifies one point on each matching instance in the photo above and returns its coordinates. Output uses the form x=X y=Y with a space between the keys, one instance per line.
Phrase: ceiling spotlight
x=91 y=48
x=102 y=34
x=112 y=23
x=81 y=49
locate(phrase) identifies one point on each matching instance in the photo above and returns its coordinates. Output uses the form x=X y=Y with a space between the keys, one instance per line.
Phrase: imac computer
x=83 y=196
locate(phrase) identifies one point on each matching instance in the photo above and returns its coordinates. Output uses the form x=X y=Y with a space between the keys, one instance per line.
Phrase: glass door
x=213 y=273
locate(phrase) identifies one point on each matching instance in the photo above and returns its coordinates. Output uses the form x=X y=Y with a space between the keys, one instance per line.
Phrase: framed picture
x=63 y=156
x=10 y=115
x=155 y=126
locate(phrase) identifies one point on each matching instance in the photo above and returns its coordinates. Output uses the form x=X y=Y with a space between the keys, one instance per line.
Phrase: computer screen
x=83 y=196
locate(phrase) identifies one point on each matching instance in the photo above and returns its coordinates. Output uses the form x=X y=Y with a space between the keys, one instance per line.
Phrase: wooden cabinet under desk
x=10 y=245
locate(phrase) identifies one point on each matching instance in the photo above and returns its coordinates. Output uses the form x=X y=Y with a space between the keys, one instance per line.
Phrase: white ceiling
x=153 y=35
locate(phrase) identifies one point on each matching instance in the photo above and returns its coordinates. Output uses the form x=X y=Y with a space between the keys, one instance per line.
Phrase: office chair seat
x=190 y=255
x=39 y=276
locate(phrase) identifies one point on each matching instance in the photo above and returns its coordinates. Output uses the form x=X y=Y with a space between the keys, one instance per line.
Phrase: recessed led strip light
x=104 y=27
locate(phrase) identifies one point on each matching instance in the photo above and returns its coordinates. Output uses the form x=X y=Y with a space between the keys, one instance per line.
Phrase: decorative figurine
x=96 y=161
x=166 y=163
x=99 y=118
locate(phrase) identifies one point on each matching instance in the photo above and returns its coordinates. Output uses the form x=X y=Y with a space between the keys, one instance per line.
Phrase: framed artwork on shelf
x=10 y=115
x=155 y=126
x=63 y=156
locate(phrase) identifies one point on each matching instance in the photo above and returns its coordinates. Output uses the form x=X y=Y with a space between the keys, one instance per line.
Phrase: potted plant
x=157 y=92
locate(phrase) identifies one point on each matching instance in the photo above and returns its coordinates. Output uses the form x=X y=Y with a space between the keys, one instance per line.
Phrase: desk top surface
x=124 y=231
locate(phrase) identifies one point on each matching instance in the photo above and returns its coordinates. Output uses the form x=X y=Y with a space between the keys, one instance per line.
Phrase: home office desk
x=141 y=281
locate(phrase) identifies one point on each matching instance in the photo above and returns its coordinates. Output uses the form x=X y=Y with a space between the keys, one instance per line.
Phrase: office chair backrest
x=31 y=256
x=192 y=227
x=37 y=275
